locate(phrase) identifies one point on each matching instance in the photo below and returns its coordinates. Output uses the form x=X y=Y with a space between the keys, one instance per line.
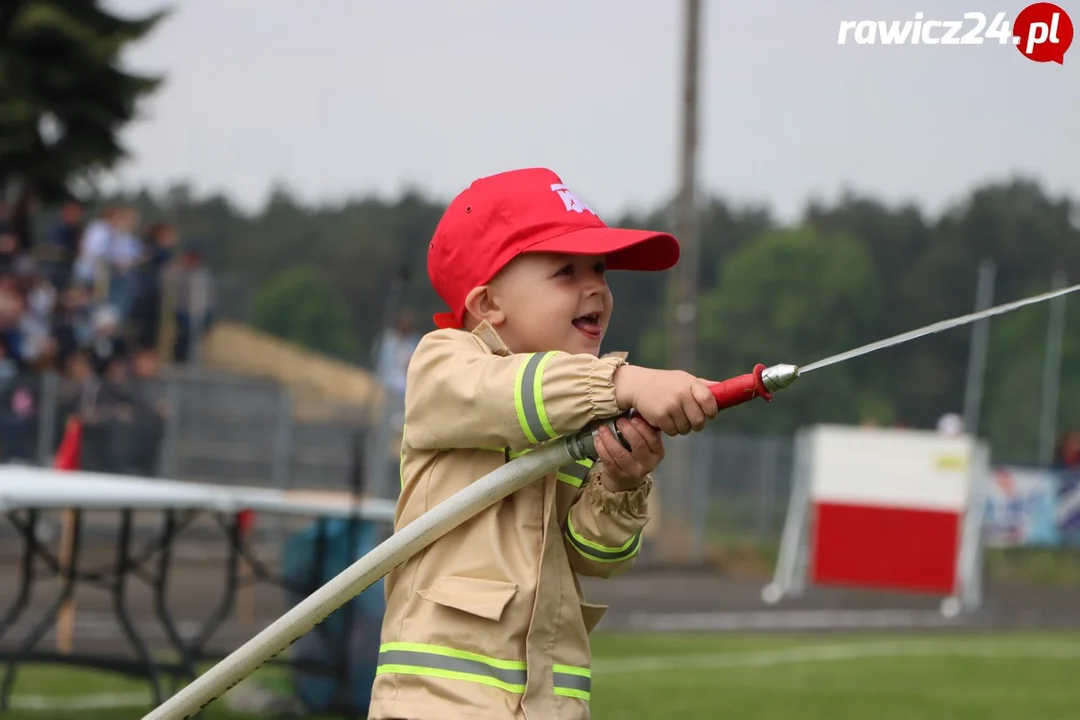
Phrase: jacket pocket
x=591 y=614
x=483 y=598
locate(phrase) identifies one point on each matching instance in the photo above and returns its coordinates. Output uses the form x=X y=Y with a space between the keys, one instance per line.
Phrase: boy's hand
x=676 y=402
x=626 y=469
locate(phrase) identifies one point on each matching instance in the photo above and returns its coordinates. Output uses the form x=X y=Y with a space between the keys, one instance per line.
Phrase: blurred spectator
x=87 y=303
x=57 y=252
x=22 y=225
x=109 y=251
x=950 y=425
x=1067 y=456
x=11 y=308
x=71 y=322
x=94 y=246
x=18 y=411
x=106 y=412
x=121 y=417
x=193 y=293
x=395 y=352
x=115 y=400
x=146 y=373
x=160 y=239
x=106 y=341
x=9 y=241
x=35 y=324
x=77 y=386
x=150 y=415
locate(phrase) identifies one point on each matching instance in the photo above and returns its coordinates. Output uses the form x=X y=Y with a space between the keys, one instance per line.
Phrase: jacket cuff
x=632 y=503
x=600 y=386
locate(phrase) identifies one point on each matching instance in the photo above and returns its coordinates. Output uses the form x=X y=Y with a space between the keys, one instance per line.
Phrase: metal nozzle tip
x=778 y=377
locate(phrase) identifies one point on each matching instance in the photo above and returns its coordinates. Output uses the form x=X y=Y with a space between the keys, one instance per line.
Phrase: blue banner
x=1024 y=508
x=1068 y=506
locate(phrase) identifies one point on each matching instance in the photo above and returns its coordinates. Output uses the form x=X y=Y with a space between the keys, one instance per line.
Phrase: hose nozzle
x=779 y=377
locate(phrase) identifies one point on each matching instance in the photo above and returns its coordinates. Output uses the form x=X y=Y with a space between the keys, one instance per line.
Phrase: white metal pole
x=980 y=338
x=1051 y=386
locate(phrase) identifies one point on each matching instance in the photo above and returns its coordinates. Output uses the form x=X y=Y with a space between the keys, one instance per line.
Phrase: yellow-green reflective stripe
x=509 y=675
x=451 y=652
x=450 y=675
x=572 y=474
x=538 y=396
x=572 y=681
x=571 y=692
x=529 y=398
x=602 y=553
x=436 y=661
x=575 y=473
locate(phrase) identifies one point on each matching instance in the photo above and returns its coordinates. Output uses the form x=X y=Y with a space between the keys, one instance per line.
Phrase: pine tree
x=64 y=97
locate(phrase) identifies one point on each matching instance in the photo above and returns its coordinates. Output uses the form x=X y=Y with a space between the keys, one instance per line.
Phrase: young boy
x=489 y=621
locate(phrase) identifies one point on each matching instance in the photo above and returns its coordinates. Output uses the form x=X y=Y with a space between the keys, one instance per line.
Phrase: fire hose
x=545 y=459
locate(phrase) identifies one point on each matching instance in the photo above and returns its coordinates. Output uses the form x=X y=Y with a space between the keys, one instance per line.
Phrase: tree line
x=847 y=273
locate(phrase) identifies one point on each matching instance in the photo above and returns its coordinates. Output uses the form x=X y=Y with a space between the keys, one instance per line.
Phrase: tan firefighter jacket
x=489 y=621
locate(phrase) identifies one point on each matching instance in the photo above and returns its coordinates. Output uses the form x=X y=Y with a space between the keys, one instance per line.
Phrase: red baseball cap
x=502 y=216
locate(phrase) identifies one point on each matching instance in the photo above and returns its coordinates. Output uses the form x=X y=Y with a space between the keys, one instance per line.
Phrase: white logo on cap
x=572 y=202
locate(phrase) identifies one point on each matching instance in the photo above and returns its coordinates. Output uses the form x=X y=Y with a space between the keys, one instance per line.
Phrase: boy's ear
x=482 y=305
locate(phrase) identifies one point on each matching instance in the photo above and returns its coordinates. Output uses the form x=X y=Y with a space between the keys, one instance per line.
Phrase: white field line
x=784 y=620
x=831 y=653
x=101 y=701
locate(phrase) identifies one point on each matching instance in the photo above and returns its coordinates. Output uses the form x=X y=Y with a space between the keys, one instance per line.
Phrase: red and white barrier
x=884 y=509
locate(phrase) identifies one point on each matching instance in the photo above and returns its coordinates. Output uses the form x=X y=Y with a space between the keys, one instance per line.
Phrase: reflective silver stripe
x=531 y=400
x=574 y=473
x=573 y=682
x=603 y=554
x=432 y=661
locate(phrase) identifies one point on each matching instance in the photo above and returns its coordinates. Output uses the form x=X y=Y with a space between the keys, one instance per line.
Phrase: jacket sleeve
x=460 y=395
x=603 y=528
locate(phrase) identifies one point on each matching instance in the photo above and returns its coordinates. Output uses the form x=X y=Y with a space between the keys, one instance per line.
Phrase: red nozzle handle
x=741 y=389
x=729 y=393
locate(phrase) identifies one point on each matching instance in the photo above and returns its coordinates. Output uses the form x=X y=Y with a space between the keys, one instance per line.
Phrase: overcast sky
x=343 y=97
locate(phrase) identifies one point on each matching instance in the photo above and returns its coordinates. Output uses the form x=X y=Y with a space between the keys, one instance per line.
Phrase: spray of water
x=935 y=328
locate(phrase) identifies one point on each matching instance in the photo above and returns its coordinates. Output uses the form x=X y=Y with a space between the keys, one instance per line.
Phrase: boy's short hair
x=531 y=210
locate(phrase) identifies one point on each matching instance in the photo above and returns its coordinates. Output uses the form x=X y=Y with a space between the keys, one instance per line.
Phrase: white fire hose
x=366 y=571
x=421 y=532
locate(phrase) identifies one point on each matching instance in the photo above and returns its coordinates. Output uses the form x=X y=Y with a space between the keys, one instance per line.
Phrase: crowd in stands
x=96 y=302
x=1067 y=455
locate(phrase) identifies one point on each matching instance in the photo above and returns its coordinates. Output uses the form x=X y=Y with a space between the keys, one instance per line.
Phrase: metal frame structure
x=150 y=560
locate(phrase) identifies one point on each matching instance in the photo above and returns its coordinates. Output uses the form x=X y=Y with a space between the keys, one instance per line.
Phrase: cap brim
x=626 y=249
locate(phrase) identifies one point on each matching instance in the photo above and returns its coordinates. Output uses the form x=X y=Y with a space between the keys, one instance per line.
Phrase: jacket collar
x=486 y=332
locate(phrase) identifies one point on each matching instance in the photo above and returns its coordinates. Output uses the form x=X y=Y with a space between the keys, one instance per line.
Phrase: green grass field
x=879 y=677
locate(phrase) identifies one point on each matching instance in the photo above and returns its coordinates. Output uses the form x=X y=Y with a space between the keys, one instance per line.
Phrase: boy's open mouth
x=588 y=324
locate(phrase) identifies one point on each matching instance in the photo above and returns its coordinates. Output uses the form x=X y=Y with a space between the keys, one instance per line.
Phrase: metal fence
x=735 y=495
x=234 y=430
x=746 y=481
x=200 y=426
x=189 y=425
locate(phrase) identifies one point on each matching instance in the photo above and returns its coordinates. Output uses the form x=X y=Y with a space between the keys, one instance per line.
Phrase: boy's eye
x=570 y=269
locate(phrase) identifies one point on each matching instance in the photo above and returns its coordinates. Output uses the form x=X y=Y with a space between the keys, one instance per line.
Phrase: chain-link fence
x=735 y=495
x=194 y=425
x=201 y=426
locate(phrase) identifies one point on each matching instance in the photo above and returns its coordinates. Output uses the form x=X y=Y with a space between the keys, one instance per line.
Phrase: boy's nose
x=595 y=285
